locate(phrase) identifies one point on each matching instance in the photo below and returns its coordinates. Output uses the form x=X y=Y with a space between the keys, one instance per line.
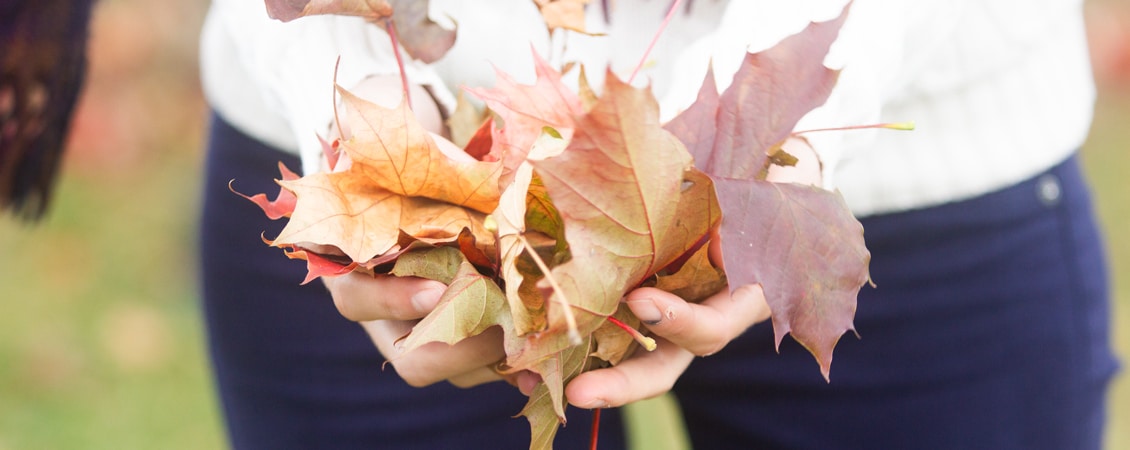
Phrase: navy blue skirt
x=989 y=329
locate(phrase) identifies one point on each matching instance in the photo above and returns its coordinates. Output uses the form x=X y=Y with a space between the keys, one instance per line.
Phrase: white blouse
x=999 y=89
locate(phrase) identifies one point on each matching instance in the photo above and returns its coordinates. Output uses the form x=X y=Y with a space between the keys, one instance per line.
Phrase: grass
x=1106 y=158
x=100 y=340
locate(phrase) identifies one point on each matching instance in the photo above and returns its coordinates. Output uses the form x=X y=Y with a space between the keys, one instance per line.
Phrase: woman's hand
x=387 y=307
x=685 y=330
x=682 y=330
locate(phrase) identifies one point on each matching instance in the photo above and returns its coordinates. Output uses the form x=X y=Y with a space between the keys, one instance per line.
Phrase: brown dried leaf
x=345 y=210
x=696 y=280
x=439 y=263
x=614 y=188
x=471 y=304
x=393 y=151
x=545 y=409
x=612 y=343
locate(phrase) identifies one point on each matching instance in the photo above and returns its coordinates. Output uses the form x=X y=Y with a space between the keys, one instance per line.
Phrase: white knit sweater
x=1000 y=89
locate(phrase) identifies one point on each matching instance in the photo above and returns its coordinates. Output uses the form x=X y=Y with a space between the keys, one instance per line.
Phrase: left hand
x=682 y=330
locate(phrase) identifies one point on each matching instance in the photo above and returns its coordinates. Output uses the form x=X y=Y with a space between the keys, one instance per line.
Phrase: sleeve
x=292 y=65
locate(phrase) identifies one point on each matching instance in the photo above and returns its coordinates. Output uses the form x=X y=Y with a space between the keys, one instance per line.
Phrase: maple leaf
x=288 y=10
x=611 y=342
x=730 y=136
x=420 y=37
x=345 y=210
x=545 y=409
x=800 y=243
x=617 y=188
x=441 y=264
x=696 y=280
x=318 y=265
x=811 y=257
x=471 y=304
x=466 y=122
x=526 y=111
x=392 y=150
x=567 y=14
x=284 y=202
x=398 y=183
x=520 y=274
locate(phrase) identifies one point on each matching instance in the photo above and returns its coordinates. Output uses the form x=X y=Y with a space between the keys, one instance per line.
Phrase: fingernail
x=595 y=403
x=646 y=311
x=426 y=300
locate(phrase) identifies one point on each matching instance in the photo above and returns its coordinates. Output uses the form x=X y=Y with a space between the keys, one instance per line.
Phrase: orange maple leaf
x=398 y=181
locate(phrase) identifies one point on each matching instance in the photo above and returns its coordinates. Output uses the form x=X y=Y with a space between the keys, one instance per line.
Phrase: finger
x=644 y=375
x=703 y=328
x=361 y=297
x=482 y=375
x=437 y=361
x=526 y=382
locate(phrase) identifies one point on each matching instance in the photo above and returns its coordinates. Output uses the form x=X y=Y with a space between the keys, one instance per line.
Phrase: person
x=989 y=327
x=41 y=75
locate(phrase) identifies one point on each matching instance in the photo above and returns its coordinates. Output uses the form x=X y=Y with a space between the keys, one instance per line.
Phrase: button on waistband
x=1048 y=190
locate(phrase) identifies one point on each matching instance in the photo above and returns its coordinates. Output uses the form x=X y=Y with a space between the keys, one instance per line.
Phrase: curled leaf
x=288 y=10
x=419 y=36
x=283 y=204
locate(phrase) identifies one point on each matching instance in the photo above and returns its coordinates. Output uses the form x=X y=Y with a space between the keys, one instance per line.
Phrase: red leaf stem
x=654 y=39
x=399 y=61
x=595 y=428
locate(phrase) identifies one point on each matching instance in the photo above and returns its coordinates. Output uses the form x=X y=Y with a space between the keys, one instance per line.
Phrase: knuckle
x=712 y=342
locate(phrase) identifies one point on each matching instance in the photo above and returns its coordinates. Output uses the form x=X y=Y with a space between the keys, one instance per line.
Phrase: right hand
x=388 y=307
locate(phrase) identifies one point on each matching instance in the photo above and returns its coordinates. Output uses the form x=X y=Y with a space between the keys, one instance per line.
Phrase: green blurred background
x=101 y=343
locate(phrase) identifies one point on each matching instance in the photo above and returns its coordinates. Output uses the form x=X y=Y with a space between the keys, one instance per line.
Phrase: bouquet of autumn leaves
x=565 y=201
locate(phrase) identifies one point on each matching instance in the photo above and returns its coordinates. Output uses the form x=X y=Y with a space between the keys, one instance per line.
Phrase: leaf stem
x=566 y=307
x=595 y=428
x=399 y=61
x=654 y=39
x=903 y=126
x=337 y=119
x=647 y=342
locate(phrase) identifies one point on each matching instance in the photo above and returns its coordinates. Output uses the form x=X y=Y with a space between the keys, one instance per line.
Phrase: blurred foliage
x=1106 y=159
x=101 y=344
x=101 y=341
